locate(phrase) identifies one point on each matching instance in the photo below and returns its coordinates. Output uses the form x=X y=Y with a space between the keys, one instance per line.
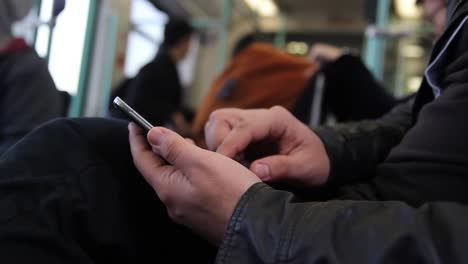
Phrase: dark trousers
x=69 y=193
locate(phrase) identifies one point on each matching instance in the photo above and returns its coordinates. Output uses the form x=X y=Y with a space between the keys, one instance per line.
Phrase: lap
x=70 y=193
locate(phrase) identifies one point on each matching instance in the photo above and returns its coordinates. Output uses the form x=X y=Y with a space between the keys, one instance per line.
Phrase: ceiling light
x=412 y=51
x=297 y=48
x=266 y=8
x=408 y=9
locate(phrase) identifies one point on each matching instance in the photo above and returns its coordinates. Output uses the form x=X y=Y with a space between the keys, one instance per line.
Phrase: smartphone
x=132 y=114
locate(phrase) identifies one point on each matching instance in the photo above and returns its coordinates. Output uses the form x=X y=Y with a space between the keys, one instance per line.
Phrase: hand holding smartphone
x=132 y=114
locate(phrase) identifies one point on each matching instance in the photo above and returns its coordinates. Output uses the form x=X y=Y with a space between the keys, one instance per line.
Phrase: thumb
x=272 y=168
x=172 y=147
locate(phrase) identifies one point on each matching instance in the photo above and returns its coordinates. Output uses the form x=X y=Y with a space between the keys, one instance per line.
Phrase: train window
x=66 y=43
x=43 y=32
x=145 y=37
x=186 y=67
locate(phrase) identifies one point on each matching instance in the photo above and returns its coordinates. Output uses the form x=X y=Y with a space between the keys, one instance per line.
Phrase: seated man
x=403 y=178
x=156 y=91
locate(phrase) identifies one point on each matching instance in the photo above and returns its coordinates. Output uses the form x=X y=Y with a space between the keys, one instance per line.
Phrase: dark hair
x=175 y=31
x=243 y=43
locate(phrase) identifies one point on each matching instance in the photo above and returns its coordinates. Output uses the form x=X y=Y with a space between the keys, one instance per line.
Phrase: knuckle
x=176 y=214
x=221 y=114
x=283 y=168
x=215 y=115
x=173 y=151
x=242 y=126
x=165 y=197
x=279 y=112
x=279 y=109
x=210 y=126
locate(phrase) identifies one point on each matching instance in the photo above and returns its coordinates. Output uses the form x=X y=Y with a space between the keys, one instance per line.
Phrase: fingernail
x=155 y=137
x=262 y=171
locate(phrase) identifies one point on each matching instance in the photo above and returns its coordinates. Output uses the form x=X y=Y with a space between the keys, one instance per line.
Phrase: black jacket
x=366 y=98
x=402 y=183
x=156 y=92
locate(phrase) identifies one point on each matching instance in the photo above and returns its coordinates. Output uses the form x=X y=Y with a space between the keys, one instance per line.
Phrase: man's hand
x=298 y=156
x=199 y=188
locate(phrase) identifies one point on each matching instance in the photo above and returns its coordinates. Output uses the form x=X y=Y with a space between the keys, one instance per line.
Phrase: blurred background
x=94 y=44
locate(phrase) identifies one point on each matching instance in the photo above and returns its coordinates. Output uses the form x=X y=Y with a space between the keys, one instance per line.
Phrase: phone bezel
x=132 y=114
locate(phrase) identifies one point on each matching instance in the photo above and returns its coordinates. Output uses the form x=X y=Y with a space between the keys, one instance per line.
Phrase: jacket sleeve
x=352 y=93
x=270 y=226
x=360 y=146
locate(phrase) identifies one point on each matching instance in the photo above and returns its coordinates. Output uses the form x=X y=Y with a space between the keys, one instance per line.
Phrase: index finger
x=215 y=132
x=235 y=142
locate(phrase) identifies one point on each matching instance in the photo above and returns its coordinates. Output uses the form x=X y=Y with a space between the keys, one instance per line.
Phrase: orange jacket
x=263 y=77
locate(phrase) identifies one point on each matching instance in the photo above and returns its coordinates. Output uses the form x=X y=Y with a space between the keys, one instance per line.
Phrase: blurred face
x=436 y=13
x=185 y=46
x=181 y=50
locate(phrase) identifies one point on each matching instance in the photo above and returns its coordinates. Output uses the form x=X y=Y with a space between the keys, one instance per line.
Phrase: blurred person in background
x=367 y=98
x=156 y=92
x=258 y=75
x=28 y=95
x=435 y=12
